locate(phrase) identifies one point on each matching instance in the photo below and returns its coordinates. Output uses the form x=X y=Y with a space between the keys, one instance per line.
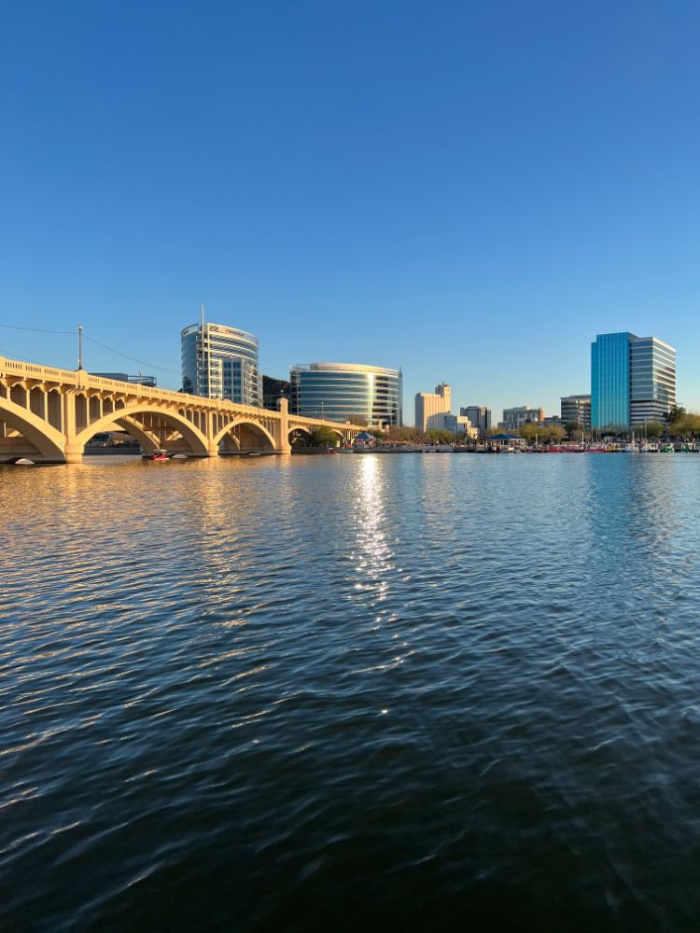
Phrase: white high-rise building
x=221 y=362
x=432 y=407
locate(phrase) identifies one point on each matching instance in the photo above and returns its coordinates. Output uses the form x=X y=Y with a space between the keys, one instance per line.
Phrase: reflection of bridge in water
x=50 y=414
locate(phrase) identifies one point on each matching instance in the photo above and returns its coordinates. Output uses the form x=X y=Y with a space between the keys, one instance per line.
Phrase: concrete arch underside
x=42 y=441
x=129 y=417
x=299 y=437
x=242 y=435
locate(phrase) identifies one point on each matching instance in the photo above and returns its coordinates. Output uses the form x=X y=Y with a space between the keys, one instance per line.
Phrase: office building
x=633 y=380
x=479 y=416
x=348 y=392
x=431 y=407
x=514 y=418
x=460 y=424
x=576 y=409
x=221 y=362
x=134 y=380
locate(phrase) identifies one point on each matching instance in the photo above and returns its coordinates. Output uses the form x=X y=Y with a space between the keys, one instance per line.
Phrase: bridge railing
x=83 y=379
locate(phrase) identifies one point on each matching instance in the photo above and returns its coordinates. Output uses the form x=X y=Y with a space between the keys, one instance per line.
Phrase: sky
x=470 y=191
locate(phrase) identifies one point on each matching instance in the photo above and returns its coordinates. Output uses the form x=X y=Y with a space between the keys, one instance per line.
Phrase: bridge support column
x=282 y=445
x=73 y=451
x=212 y=448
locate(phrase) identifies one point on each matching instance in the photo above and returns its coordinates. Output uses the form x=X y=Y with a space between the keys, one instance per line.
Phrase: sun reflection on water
x=373 y=554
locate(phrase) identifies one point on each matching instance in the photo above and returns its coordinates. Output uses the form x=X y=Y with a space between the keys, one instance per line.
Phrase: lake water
x=351 y=693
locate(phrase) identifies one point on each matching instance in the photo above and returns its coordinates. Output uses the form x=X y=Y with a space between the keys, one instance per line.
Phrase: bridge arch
x=147 y=441
x=40 y=434
x=298 y=433
x=125 y=418
x=248 y=431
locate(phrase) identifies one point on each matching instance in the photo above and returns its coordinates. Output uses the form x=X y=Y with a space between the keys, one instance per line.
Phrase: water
x=342 y=693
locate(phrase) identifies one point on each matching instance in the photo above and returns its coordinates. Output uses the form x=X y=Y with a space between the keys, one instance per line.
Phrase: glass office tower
x=610 y=381
x=221 y=362
x=576 y=409
x=652 y=381
x=343 y=391
x=633 y=380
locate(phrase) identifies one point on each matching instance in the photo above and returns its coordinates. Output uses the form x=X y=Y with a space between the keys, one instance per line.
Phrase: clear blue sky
x=470 y=191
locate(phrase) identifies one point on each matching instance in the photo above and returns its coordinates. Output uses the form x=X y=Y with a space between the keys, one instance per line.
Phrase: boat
x=158 y=455
x=668 y=449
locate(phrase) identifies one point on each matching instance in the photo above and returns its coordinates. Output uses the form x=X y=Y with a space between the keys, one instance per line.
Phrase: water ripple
x=334 y=693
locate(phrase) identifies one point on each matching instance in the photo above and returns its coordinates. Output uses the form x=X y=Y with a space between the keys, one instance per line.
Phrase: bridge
x=48 y=415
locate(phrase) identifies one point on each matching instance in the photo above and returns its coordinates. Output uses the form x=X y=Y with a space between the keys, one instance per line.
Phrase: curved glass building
x=344 y=391
x=221 y=362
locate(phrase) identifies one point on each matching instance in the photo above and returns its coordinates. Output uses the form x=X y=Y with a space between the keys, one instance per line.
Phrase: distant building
x=273 y=389
x=460 y=424
x=479 y=416
x=552 y=419
x=134 y=380
x=432 y=407
x=514 y=418
x=576 y=409
x=633 y=380
x=347 y=391
x=221 y=362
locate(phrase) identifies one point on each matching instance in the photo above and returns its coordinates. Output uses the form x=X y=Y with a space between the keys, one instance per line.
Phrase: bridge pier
x=281 y=430
x=73 y=452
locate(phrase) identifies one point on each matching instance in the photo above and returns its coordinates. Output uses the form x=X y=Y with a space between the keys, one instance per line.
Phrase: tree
x=613 y=430
x=358 y=420
x=685 y=425
x=674 y=414
x=572 y=428
x=654 y=428
x=438 y=436
x=401 y=434
x=323 y=437
x=532 y=432
x=555 y=433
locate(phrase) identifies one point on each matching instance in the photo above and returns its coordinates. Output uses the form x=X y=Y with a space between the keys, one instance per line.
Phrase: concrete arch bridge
x=48 y=415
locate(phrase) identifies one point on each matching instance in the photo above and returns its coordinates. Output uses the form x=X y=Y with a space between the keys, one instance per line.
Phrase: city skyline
x=33 y=334
x=466 y=193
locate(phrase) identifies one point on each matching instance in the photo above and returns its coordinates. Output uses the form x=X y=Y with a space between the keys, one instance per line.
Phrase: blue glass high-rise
x=633 y=380
x=610 y=381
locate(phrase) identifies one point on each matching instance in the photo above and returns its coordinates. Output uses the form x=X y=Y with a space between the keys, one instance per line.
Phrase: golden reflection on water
x=373 y=553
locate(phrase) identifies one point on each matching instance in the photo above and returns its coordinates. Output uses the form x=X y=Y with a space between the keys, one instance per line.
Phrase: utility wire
x=132 y=358
x=38 y=330
x=71 y=333
x=16 y=356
